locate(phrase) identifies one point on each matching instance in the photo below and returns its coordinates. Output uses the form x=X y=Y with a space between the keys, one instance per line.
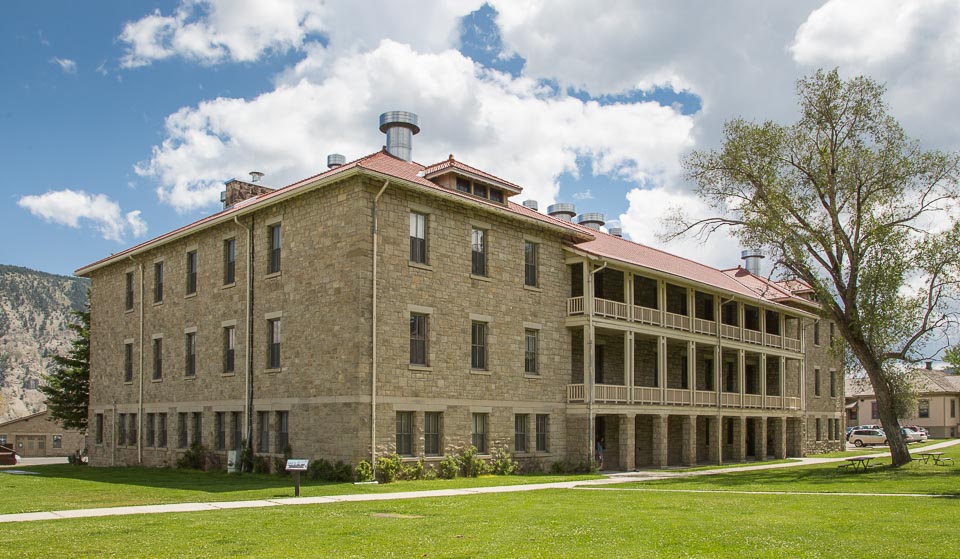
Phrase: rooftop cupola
x=400 y=126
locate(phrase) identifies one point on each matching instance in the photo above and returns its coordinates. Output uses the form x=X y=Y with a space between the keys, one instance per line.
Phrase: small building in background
x=38 y=435
x=938 y=397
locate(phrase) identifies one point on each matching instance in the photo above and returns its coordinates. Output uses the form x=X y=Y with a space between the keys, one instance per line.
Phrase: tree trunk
x=885 y=404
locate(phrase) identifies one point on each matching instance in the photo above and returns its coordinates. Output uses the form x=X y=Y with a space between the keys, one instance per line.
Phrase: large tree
x=68 y=388
x=846 y=202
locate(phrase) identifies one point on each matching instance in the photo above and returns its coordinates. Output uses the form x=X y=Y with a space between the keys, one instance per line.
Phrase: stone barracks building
x=385 y=305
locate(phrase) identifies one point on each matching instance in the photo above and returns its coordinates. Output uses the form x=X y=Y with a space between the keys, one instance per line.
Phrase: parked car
x=922 y=431
x=867 y=437
x=861 y=427
x=910 y=436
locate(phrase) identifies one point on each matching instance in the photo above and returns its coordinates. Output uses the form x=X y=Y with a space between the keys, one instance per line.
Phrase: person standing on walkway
x=600 y=443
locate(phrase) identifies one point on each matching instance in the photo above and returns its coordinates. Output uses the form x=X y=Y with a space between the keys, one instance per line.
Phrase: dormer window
x=463 y=185
x=496 y=195
x=480 y=190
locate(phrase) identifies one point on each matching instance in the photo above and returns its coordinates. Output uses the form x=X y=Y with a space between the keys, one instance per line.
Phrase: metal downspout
x=248 y=357
x=140 y=401
x=373 y=336
x=591 y=372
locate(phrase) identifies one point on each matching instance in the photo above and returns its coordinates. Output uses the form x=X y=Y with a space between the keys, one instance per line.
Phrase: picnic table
x=859 y=463
x=936 y=456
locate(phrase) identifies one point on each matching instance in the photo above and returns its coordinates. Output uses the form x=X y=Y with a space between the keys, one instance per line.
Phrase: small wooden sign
x=297 y=465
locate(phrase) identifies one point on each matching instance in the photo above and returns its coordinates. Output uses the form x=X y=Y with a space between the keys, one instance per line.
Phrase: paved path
x=610 y=478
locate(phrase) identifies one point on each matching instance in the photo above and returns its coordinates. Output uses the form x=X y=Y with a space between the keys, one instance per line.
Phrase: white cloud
x=642 y=224
x=73 y=207
x=65 y=64
x=214 y=31
x=338 y=109
x=585 y=195
x=912 y=47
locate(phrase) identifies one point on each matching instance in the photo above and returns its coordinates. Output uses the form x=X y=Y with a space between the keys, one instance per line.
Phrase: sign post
x=295 y=467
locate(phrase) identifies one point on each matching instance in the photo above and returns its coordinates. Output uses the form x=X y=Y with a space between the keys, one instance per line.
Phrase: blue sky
x=122 y=121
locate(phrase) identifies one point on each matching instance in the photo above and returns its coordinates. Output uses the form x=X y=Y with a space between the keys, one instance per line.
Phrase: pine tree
x=68 y=388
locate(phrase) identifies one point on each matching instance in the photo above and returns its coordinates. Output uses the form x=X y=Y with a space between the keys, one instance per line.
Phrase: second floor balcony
x=647 y=395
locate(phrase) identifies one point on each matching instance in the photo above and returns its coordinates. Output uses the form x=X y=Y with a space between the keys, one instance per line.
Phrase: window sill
x=272 y=275
x=532 y=376
x=190 y=295
x=157 y=303
x=533 y=288
x=189 y=377
x=228 y=285
x=482 y=372
x=128 y=382
x=480 y=278
x=278 y=370
x=419 y=266
x=421 y=368
x=228 y=374
x=128 y=311
x=156 y=380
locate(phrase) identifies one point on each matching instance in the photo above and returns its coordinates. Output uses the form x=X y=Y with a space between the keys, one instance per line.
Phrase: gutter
x=373 y=335
x=248 y=357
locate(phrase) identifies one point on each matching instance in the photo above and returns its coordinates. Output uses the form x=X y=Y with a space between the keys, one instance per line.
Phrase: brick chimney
x=237 y=191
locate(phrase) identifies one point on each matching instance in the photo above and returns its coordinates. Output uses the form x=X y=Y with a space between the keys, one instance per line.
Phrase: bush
x=261 y=464
x=364 y=471
x=322 y=470
x=76 y=459
x=503 y=463
x=448 y=468
x=470 y=464
x=195 y=458
x=413 y=471
x=388 y=467
x=280 y=462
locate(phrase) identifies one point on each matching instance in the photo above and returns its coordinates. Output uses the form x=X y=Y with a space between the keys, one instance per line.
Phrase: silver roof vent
x=335 y=160
x=752 y=257
x=616 y=231
x=255 y=176
x=400 y=126
x=532 y=204
x=592 y=220
x=562 y=211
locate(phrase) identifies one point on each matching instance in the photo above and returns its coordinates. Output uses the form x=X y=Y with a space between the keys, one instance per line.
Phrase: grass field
x=624 y=520
x=548 y=523
x=62 y=487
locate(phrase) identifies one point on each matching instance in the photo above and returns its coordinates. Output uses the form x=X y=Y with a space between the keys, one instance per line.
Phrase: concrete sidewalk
x=611 y=478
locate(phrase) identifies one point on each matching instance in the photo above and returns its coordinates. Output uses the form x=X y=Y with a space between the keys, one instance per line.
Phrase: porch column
x=782 y=379
x=763 y=380
x=628 y=293
x=739 y=439
x=628 y=364
x=715 y=436
x=691 y=371
x=662 y=367
x=741 y=373
x=628 y=441
x=781 y=439
x=689 y=450
x=660 y=441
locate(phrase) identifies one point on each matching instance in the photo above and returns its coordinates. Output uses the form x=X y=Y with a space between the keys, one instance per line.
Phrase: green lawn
x=916 y=477
x=549 y=523
x=62 y=487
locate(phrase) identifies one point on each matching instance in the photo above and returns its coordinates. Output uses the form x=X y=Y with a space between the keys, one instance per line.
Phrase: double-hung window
x=132 y=433
x=158 y=282
x=219 y=425
x=151 y=429
x=275 y=235
x=478 y=345
x=197 y=427
x=236 y=419
x=520 y=422
x=229 y=348
x=191 y=272
x=98 y=429
x=543 y=432
x=531 y=349
x=405 y=433
x=121 y=429
x=816 y=382
x=157 y=358
x=162 y=430
x=263 y=427
x=479 y=252
x=128 y=291
x=283 y=431
x=480 y=432
x=128 y=362
x=273 y=347
x=418 y=339
x=229 y=261
x=432 y=428
x=530 y=268
x=182 y=430
x=418 y=238
x=190 y=352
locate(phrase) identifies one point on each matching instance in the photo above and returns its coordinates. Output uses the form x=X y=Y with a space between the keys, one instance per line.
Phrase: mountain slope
x=34 y=313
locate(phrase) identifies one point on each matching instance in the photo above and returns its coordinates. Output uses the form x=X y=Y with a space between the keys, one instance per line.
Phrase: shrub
x=413 y=471
x=280 y=462
x=342 y=471
x=364 y=471
x=388 y=467
x=503 y=463
x=470 y=464
x=448 y=468
x=195 y=458
x=261 y=464
x=76 y=459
